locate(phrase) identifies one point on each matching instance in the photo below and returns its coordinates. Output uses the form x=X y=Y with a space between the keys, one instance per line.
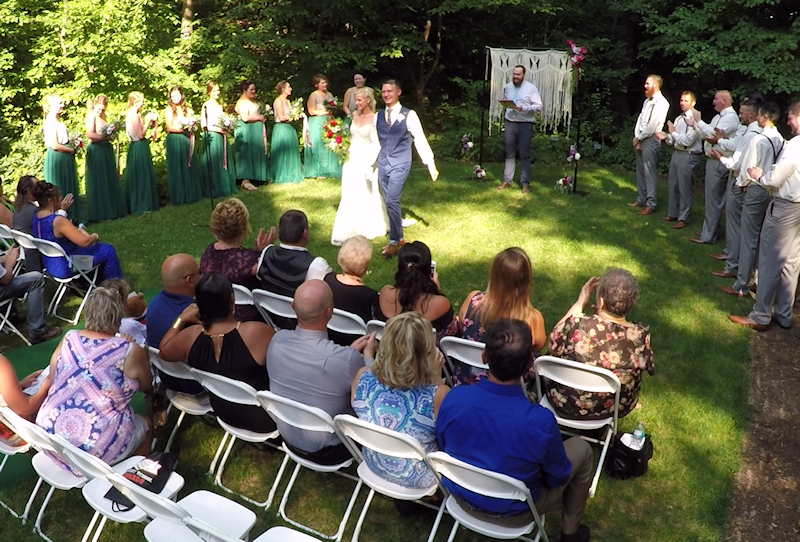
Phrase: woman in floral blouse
x=604 y=339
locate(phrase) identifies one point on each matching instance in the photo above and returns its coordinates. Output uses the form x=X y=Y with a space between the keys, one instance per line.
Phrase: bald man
x=305 y=366
x=179 y=275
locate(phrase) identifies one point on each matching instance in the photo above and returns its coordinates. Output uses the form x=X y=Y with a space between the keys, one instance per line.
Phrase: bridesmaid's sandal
x=247 y=185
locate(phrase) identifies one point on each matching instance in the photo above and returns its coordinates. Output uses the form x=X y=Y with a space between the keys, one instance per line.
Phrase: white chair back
x=280 y=305
x=463 y=350
x=209 y=532
x=175 y=369
x=87 y=464
x=242 y=296
x=377 y=327
x=27 y=431
x=379 y=439
x=23 y=239
x=296 y=414
x=226 y=388
x=154 y=505
x=347 y=323
x=478 y=480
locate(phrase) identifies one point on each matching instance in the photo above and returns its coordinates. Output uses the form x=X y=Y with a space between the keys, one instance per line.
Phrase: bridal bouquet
x=296 y=110
x=332 y=106
x=564 y=185
x=336 y=139
x=226 y=122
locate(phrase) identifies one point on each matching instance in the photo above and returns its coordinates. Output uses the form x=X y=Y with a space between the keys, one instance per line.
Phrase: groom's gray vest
x=395 y=140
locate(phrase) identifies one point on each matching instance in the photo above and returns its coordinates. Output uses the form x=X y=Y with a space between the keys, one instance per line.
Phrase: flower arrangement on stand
x=576 y=55
x=336 y=139
x=466 y=146
x=573 y=154
x=478 y=172
x=565 y=185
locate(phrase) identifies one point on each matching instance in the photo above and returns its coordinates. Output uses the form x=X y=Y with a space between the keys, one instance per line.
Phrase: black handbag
x=142 y=475
x=623 y=462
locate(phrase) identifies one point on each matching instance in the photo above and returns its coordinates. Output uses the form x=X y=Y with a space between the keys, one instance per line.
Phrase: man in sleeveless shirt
x=397 y=127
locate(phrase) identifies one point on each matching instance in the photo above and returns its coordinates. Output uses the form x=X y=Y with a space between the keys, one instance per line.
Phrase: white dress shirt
x=784 y=179
x=527 y=97
x=726 y=120
x=653 y=116
x=318 y=268
x=761 y=152
x=684 y=138
x=414 y=127
x=733 y=162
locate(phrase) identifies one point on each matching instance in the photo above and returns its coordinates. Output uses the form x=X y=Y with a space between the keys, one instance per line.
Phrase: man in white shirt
x=519 y=127
x=727 y=122
x=737 y=178
x=779 y=248
x=684 y=162
x=651 y=120
x=397 y=127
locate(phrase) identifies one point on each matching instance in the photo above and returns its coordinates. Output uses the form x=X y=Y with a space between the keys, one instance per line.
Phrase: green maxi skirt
x=320 y=161
x=140 y=180
x=251 y=152
x=106 y=200
x=286 y=164
x=223 y=173
x=183 y=175
x=60 y=170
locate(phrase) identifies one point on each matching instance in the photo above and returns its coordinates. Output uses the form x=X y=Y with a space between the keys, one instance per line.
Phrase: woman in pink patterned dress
x=94 y=377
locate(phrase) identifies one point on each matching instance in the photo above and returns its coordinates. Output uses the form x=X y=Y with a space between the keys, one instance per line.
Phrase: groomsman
x=762 y=152
x=685 y=159
x=716 y=181
x=651 y=120
x=748 y=115
x=779 y=249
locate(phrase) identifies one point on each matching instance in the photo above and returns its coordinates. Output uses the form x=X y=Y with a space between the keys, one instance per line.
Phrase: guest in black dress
x=208 y=337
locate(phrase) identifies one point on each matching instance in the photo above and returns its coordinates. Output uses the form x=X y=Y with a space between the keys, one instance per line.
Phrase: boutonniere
x=400 y=117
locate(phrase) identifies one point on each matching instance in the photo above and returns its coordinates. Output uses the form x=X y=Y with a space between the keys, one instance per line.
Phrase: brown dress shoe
x=668 y=218
x=646 y=211
x=698 y=241
x=526 y=189
x=503 y=186
x=747 y=322
x=679 y=225
x=724 y=274
x=721 y=256
x=635 y=204
x=390 y=250
x=730 y=291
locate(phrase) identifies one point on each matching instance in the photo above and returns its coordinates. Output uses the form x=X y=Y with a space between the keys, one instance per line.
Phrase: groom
x=397 y=126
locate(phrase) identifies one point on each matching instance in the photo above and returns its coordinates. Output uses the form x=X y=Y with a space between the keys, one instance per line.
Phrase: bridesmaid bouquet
x=296 y=110
x=265 y=110
x=336 y=139
x=226 y=122
x=77 y=144
x=111 y=130
x=190 y=124
x=332 y=106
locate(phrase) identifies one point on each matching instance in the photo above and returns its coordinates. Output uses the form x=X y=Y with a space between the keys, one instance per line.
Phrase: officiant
x=519 y=119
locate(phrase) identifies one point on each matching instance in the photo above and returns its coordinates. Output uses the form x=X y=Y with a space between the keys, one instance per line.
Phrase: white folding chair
x=588 y=378
x=308 y=419
x=170 y=524
x=187 y=404
x=490 y=484
x=53 y=250
x=464 y=351
x=394 y=444
x=347 y=323
x=5 y=323
x=7 y=450
x=243 y=394
x=97 y=472
x=376 y=327
x=270 y=303
x=276 y=534
x=6 y=241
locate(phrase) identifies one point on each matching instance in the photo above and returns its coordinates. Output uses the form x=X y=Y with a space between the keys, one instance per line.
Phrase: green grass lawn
x=695 y=407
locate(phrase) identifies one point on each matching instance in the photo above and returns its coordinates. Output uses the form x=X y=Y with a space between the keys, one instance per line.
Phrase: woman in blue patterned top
x=402 y=391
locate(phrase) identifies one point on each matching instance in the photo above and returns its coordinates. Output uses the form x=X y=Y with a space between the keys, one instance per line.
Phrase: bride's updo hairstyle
x=369 y=95
x=413 y=277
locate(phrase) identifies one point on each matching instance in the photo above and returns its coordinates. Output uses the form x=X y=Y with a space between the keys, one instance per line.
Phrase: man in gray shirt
x=305 y=366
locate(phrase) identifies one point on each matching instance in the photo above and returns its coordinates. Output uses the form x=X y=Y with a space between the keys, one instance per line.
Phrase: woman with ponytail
x=183 y=169
x=140 y=180
x=59 y=160
x=207 y=336
x=106 y=201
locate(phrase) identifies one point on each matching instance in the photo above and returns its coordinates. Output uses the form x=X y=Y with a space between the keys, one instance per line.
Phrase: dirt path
x=766 y=500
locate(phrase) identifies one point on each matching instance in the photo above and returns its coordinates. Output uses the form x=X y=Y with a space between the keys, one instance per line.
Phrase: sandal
x=247 y=185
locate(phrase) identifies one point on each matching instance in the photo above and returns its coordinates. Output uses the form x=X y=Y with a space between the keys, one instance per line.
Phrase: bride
x=361 y=209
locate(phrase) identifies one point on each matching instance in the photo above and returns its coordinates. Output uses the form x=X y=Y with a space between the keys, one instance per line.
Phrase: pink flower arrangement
x=577 y=53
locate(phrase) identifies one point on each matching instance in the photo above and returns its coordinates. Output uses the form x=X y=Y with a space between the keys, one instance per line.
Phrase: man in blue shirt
x=493 y=425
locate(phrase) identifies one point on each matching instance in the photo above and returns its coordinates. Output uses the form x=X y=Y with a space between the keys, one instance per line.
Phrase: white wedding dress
x=361 y=209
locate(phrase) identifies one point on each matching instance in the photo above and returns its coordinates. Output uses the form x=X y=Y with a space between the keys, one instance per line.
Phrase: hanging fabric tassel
x=191 y=149
x=224 y=152
x=306 y=137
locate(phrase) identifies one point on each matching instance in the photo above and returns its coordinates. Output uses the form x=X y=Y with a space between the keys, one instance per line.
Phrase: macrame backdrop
x=550 y=71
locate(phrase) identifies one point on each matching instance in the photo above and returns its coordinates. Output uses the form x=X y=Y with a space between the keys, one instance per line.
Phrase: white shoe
x=408 y=222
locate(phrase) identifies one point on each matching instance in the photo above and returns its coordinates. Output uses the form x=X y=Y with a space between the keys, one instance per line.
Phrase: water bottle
x=638 y=437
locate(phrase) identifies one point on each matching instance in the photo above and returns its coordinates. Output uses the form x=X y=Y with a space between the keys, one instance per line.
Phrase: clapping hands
x=263 y=239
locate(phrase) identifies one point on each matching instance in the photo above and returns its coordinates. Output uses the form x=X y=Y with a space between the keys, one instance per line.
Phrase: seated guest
x=494 y=426
x=305 y=366
x=24 y=209
x=287 y=266
x=416 y=288
x=110 y=371
x=128 y=326
x=507 y=297
x=12 y=394
x=208 y=337
x=6 y=211
x=179 y=275
x=49 y=226
x=402 y=391
x=604 y=339
x=31 y=283
x=230 y=224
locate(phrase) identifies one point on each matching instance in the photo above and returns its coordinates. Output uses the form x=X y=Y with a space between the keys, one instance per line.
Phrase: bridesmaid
x=139 y=177
x=320 y=161
x=183 y=168
x=59 y=160
x=218 y=151
x=106 y=200
x=349 y=100
x=286 y=164
x=251 y=139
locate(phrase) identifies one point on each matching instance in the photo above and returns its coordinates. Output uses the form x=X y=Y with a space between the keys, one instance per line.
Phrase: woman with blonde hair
x=286 y=164
x=106 y=200
x=403 y=391
x=59 y=160
x=507 y=297
x=361 y=208
x=217 y=151
x=184 y=174
x=139 y=177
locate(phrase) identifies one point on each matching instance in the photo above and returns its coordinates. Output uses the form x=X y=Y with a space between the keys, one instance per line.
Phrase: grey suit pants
x=647 y=172
x=733 y=226
x=756 y=201
x=778 y=263
x=679 y=184
x=716 y=186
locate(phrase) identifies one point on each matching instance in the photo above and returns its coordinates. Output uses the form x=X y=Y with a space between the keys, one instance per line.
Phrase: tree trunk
x=187 y=18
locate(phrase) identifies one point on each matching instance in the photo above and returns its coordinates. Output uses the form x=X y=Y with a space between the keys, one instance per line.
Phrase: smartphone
x=433 y=268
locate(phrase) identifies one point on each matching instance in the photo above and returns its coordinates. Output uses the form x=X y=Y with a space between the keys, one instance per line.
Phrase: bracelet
x=178 y=324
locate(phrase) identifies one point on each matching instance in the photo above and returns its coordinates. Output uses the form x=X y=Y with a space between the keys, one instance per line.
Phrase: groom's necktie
x=389 y=117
